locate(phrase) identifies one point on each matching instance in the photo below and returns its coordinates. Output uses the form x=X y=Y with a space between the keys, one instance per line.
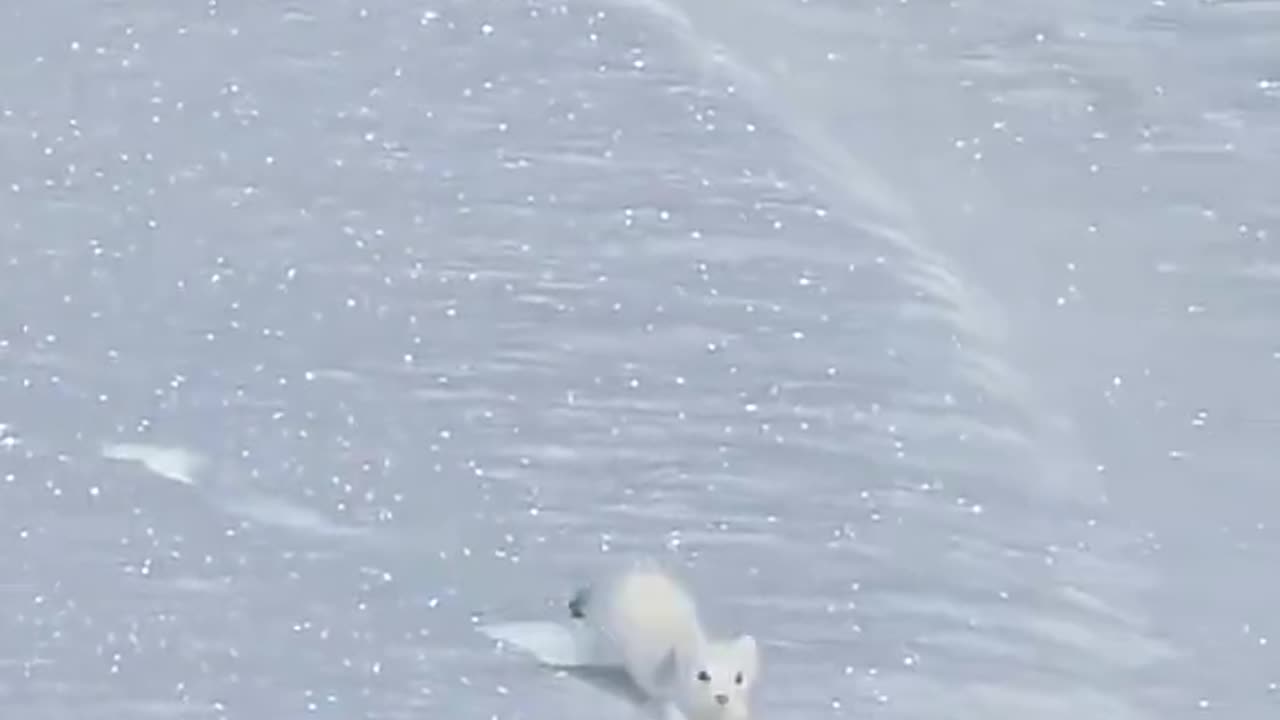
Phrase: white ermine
x=643 y=623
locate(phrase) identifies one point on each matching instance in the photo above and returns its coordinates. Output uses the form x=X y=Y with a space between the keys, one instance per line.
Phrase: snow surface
x=938 y=340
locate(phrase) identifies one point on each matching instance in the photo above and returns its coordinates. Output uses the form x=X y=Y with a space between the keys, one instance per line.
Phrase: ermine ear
x=748 y=655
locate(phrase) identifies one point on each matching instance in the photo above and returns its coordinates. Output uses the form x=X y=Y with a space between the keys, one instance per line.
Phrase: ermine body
x=644 y=622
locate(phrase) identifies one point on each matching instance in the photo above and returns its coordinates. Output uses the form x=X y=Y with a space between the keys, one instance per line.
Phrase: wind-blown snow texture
x=939 y=340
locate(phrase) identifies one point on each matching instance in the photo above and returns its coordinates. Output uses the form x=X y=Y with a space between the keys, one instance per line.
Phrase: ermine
x=644 y=623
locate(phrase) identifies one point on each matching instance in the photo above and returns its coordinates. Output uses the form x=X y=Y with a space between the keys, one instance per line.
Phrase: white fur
x=645 y=623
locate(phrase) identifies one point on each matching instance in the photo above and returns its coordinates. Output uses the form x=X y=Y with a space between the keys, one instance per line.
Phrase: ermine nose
x=722 y=698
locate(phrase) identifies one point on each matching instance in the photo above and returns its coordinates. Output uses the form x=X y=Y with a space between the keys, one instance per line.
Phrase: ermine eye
x=737 y=678
x=704 y=676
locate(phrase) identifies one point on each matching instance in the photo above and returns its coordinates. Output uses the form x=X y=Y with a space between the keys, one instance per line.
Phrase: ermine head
x=717 y=682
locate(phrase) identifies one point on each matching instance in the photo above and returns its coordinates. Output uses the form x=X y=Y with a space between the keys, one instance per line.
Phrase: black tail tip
x=578 y=604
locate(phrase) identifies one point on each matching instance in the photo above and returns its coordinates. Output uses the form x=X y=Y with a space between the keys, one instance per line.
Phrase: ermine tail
x=578 y=604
